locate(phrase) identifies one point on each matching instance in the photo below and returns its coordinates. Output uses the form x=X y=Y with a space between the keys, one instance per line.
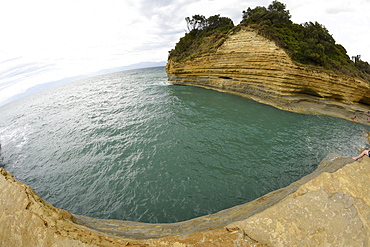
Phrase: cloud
x=24 y=70
x=17 y=68
x=50 y=40
x=339 y=9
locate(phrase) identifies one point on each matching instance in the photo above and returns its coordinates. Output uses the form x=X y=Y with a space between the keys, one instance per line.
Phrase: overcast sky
x=47 y=40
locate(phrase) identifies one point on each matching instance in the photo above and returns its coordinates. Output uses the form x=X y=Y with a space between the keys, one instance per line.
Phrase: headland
x=252 y=66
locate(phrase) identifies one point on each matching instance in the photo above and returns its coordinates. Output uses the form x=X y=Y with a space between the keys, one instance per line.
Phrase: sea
x=131 y=146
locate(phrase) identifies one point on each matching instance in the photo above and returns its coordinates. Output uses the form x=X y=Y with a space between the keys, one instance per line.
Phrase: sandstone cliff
x=330 y=207
x=255 y=67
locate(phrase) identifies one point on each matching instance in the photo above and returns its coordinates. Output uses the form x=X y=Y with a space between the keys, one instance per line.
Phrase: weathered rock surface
x=330 y=210
x=330 y=207
x=255 y=67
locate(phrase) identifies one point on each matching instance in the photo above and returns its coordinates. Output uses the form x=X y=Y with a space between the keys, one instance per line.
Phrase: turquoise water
x=129 y=146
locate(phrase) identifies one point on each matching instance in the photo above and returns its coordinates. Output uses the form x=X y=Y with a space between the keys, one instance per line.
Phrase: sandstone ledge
x=330 y=207
x=252 y=66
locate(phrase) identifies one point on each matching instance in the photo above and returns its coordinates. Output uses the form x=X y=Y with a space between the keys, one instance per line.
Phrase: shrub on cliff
x=205 y=34
x=361 y=65
x=309 y=43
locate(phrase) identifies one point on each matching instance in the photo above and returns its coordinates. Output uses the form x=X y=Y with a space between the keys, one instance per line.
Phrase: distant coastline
x=51 y=84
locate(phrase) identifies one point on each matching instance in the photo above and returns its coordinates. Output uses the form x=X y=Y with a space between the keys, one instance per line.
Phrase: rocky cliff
x=254 y=67
x=330 y=207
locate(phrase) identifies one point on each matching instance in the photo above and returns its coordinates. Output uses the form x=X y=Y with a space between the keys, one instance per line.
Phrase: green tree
x=276 y=14
x=202 y=36
x=197 y=22
x=214 y=22
x=310 y=43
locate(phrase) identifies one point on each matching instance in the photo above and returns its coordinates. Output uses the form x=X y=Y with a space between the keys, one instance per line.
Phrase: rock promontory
x=250 y=65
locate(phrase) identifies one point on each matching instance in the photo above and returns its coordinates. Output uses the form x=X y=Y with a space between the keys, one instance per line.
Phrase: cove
x=129 y=146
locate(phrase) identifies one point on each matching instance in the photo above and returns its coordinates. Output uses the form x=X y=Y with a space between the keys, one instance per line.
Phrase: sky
x=48 y=40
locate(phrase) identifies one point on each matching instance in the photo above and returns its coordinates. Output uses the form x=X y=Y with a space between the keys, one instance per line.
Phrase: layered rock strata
x=330 y=207
x=252 y=66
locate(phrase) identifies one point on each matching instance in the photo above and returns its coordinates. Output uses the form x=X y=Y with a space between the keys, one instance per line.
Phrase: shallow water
x=129 y=146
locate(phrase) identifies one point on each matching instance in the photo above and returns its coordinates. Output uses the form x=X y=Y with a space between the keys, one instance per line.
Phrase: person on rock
x=365 y=152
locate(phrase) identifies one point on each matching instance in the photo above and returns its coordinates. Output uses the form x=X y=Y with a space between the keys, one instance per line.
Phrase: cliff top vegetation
x=204 y=36
x=309 y=43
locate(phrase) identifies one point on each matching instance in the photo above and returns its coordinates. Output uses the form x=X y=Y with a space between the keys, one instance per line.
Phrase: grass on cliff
x=204 y=36
x=309 y=43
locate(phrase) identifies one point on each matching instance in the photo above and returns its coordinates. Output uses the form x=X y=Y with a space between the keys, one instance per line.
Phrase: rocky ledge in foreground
x=252 y=66
x=330 y=207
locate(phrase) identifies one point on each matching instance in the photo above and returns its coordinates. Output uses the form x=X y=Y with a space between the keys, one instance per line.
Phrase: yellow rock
x=330 y=207
x=252 y=66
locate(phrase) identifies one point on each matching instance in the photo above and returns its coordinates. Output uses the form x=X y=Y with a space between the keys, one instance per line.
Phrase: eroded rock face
x=254 y=67
x=330 y=207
